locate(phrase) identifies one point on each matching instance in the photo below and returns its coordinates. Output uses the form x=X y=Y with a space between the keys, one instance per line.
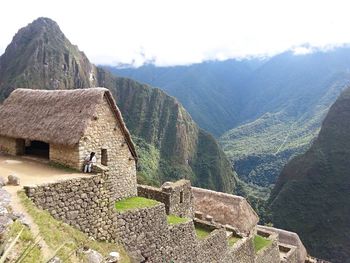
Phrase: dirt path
x=31 y=172
x=34 y=228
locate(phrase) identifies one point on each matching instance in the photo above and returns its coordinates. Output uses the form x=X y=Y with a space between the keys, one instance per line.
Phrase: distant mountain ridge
x=171 y=145
x=312 y=195
x=269 y=110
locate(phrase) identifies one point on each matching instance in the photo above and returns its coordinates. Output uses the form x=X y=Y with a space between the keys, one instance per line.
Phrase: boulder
x=2 y=181
x=114 y=257
x=92 y=256
x=13 y=180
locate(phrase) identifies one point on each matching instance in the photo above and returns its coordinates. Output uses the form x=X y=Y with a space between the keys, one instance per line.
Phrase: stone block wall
x=288 y=253
x=66 y=155
x=213 y=248
x=83 y=202
x=8 y=145
x=242 y=251
x=103 y=132
x=177 y=197
x=148 y=238
x=180 y=198
x=226 y=209
x=289 y=238
x=269 y=253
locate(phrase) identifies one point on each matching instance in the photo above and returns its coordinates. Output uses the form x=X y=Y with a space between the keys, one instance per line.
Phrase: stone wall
x=269 y=253
x=242 y=251
x=83 y=202
x=149 y=238
x=226 y=209
x=288 y=253
x=213 y=248
x=8 y=145
x=87 y=203
x=177 y=197
x=289 y=238
x=103 y=132
x=66 y=155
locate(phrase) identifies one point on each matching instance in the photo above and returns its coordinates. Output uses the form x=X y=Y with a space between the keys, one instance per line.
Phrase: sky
x=180 y=32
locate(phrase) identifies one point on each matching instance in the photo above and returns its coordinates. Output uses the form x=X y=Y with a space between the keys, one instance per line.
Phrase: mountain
x=211 y=91
x=169 y=143
x=289 y=97
x=265 y=111
x=312 y=195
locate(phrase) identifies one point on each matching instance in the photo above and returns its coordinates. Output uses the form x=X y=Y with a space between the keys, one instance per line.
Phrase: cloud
x=181 y=32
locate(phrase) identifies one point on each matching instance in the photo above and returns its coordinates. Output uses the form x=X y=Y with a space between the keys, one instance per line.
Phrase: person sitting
x=89 y=161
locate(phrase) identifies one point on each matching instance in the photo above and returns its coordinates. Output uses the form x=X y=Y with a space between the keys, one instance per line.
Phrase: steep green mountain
x=210 y=91
x=170 y=144
x=312 y=195
x=269 y=109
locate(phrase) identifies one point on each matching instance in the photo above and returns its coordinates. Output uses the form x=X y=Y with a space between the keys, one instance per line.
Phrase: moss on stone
x=202 y=232
x=261 y=242
x=174 y=220
x=134 y=203
x=232 y=240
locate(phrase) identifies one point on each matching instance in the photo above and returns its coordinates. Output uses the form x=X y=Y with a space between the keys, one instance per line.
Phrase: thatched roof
x=55 y=116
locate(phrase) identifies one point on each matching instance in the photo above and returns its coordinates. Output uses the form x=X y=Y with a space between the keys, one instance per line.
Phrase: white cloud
x=183 y=31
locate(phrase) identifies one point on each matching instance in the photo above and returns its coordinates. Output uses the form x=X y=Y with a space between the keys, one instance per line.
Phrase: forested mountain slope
x=269 y=109
x=312 y=195
x=169 y=143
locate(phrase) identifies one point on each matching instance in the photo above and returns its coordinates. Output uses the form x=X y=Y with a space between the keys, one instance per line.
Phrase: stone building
x=64 y=126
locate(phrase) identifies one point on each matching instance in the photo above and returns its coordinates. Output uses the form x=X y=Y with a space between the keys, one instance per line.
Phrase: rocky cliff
x=171 y=145
x=312 y=194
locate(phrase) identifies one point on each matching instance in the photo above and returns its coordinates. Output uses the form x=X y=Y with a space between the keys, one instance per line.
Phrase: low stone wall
x=269 y=253
x=289 y=238
x=155 y=194
x=86 y=203
x=242 y=251
x=149 y=238
x=288 y=253
x=177 y=197
x=213 y=248
x=8 y=145
x=226 y=209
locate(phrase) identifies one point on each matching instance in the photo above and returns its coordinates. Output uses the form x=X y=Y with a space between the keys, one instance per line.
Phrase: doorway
x=37 y=148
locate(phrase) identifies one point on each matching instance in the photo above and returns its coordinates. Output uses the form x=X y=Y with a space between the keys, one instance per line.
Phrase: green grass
x=174 y=220
x=56 y=233
x=201 y=232
x=134 y=203
x=26 y=239
x=261 y=242
x=232 y=240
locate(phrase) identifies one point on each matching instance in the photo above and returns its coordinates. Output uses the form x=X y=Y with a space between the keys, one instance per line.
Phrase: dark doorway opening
x=38 y=148
x=104 y=157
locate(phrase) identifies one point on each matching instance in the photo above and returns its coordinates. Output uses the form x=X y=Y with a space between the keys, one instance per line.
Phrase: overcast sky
x=183 y=31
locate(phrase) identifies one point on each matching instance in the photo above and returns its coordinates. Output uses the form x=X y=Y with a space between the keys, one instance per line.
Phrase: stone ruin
x=87 y=203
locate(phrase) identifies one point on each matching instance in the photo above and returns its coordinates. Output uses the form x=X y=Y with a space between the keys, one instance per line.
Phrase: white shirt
x=93 y=160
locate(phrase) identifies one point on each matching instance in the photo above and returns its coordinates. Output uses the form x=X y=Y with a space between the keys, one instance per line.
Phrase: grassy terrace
x=134 y=203
x=26 y=239
x=202 y=232
x=261 y=242
x=174 y=220
x=61 y=237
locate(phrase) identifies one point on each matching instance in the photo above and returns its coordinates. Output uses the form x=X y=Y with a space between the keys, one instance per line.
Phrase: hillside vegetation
x=41 y=57
x=312 y=194
x=263 y=111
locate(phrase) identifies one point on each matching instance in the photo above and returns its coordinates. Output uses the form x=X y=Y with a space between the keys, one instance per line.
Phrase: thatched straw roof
x=55 y=116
